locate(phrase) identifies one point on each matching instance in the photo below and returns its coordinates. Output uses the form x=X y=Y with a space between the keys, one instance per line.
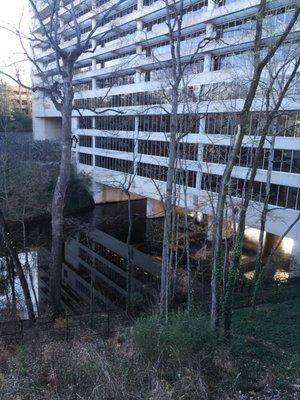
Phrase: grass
x=180 y=360
x=276 y=323
x=271 y=349
x=262 y=356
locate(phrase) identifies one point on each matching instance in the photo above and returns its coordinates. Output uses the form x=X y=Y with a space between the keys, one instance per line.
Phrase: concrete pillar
x=270 y=242
x=295 y=261
x=139 y=25
x=46 y=128
x=211 y=5
x=137 y=76
x=140 y=4
x=155 y=208
x=209 y=30
x=94 y=83
x=139 y=49
x=227 y=230
x=136 y=144
x=106 y=194
x=207 y=63
x=200 y=151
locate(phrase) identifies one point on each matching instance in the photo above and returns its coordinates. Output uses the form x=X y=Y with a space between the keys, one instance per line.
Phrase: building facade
x=16 y=98
x=95 y=270
x=122 y=93
x=20 y=98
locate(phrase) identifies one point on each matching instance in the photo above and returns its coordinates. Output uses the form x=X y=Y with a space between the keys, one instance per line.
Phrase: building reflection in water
x=95 y=273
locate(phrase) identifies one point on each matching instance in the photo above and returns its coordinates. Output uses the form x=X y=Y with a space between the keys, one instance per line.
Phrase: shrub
x=183 y=337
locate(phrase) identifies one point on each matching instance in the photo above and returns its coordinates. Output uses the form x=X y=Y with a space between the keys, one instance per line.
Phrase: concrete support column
x=211 y=5
x=155 y=208
x=106 y=194
x=200 y=152
x=139 y=25
x=227 y=228
x=94 y=83
x=138 y=76
x=136 y=143
x=139 y=49
x=140 y=4
x=94 y=67
x=207 y=63
x=210 y=30
x=295 y=261
x=75 y=124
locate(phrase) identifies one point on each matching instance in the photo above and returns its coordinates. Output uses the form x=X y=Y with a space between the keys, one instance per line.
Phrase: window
x=85 y=158
x=85 y=141
x=188 y=151
x=159 y=172
x=231 y=60
x=118 y=144
x=280 y=195
x=221 y=124
x=81 y=87
x=82 y=68
x=116 y=123
x=114 y=164
x=85 y=122
x=115 y=81
x=118 y=14
x=161 y=123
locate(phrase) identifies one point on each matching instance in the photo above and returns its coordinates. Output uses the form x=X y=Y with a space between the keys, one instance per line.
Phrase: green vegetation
x=20 y=122
x=179 y=360
x=262 y=355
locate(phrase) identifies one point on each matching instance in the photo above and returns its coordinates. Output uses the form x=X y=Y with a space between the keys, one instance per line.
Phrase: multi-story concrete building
x=96 y=267
x=18 y=98
x=124 y=122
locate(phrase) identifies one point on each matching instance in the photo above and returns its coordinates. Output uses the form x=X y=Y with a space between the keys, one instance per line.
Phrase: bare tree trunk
x=175 y=271
x=59 y=197
x=27 y=265
x=187 y=247
x=12 y=278
x=129 y=256
x=164 y=292
x=237 y=248
x=14 y=256
x=263 y=219
x=217 y=263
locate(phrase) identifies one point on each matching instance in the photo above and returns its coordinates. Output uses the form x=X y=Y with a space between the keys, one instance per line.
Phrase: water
x=95 y=272
x=96 y=275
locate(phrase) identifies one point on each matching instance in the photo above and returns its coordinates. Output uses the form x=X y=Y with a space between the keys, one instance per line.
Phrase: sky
x=12 y=13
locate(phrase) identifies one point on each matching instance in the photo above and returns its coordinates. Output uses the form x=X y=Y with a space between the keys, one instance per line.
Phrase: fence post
x=92 y=318
x=276 y=293
x=15 y=322
x=22 y=330
x=108 y=323
x=67 y=326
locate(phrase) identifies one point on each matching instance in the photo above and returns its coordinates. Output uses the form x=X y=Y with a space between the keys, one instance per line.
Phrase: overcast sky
x=12 y=12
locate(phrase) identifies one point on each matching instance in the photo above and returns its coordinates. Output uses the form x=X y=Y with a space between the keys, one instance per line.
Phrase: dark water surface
x=96 y=273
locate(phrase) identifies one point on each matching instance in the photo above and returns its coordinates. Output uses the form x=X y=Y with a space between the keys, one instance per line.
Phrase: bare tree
x=260 y=63
x=59 y=87
x=176 y=97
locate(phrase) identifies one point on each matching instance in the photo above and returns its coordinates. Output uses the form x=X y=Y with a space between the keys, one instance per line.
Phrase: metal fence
x=66 y=328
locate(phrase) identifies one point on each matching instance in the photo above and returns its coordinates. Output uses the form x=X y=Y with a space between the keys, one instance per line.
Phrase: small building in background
x=20 y=98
